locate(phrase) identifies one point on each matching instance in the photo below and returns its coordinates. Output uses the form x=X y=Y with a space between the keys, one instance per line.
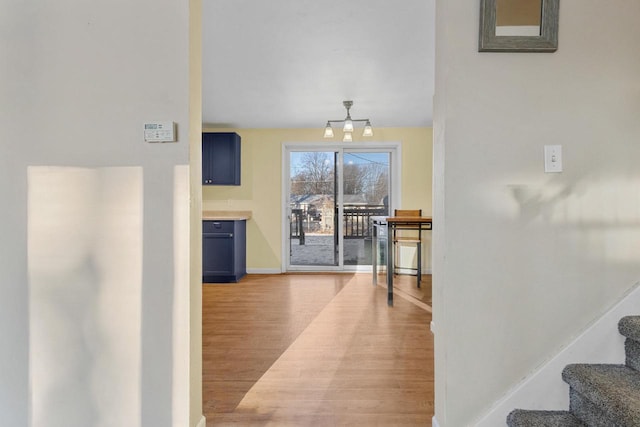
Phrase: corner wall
x=196 y=417
x=94 y=248
x=524 y=260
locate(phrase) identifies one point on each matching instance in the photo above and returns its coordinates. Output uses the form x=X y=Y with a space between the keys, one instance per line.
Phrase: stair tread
x=615 y=389
x=629 y=326
x=535 y=418
x=632 y=353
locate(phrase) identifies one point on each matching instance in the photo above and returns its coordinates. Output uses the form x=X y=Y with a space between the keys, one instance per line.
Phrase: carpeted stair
x=525 y=418
x=600 y=395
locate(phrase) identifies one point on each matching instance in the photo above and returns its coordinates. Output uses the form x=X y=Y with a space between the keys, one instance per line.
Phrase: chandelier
x=348 y=125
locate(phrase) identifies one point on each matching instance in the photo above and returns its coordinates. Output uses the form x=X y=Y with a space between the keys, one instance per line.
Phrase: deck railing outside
x=296 y=224
x=356 y=221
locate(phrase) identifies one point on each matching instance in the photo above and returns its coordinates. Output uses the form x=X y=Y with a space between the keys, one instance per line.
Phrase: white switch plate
x=552 y=158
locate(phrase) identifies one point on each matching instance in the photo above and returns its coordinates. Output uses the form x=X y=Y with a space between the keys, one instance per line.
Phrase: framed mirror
x=518 y=25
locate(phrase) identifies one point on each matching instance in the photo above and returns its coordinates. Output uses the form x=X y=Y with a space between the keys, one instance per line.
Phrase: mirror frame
x=546 y=42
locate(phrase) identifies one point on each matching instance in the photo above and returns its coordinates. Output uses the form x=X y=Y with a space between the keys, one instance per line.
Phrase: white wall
x=523 y=260
x=78 y=80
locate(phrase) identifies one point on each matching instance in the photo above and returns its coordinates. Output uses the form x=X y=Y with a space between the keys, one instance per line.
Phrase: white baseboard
x=402 y=270
x=278 y=271
x=202 y=422
x=434 y=422
x=264 y=271
x=544 y=388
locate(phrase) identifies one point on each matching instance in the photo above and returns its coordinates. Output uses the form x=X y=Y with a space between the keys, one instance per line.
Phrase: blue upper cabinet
x=220 y=158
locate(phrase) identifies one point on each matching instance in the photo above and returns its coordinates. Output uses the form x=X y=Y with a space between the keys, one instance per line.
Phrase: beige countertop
x=226 y=215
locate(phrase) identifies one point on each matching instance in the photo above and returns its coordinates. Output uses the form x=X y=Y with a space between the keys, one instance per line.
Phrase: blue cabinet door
x=221 y=158
x=223 y=251
x=217 y=253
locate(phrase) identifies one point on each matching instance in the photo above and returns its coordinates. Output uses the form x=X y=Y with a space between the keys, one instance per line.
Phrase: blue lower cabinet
x=224 y=245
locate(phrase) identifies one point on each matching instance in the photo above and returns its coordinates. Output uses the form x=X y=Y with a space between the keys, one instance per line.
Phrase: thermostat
x=159 y=132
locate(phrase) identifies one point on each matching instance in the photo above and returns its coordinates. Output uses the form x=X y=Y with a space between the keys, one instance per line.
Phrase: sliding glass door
x=330 y=197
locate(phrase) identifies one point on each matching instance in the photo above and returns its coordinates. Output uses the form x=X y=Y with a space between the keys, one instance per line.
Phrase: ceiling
x=291 y=63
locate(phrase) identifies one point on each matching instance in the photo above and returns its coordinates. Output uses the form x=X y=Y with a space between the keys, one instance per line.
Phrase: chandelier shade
x=368 y=130
x=328 y=131
x=348 y=125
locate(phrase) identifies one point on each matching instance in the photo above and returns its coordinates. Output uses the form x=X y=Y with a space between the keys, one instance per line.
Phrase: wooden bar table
x=383 y=229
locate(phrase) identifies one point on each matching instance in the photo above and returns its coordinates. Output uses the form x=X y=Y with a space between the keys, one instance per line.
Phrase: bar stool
x=401 y=237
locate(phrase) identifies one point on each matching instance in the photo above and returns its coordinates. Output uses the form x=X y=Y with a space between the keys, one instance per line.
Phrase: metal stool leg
x=419 y=244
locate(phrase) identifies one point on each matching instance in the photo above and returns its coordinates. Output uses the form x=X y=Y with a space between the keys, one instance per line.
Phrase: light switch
x=552 y=158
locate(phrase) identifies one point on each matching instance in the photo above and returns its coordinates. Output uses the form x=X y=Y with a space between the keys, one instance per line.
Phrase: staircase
x=600 y=395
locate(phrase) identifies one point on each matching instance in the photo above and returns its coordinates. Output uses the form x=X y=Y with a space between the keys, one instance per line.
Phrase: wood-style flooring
x=315 y=350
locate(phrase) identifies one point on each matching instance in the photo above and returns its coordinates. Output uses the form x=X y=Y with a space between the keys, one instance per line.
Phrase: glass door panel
x=365 y=193
x=313 y=219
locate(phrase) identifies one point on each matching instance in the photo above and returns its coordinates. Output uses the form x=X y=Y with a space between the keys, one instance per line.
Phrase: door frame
x=395 y=150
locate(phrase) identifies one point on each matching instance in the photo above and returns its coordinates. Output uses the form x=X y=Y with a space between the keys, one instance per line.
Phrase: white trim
x=434 y=422
x=264 y=271
x=339 y=166
x=407 y=271
x=600 y=342
x=202 y=422
x=284 y=191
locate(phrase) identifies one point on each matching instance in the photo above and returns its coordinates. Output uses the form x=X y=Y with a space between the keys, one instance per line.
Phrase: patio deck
x=319 y=250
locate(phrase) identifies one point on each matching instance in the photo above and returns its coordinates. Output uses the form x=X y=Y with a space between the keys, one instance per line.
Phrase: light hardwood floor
x=314 y=349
